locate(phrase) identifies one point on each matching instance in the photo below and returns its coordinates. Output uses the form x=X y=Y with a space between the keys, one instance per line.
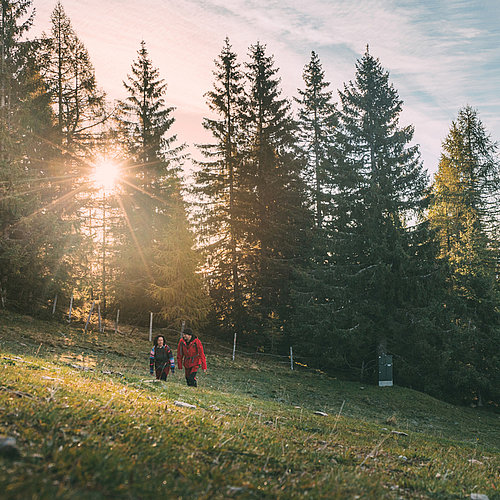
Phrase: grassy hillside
x=89 y=422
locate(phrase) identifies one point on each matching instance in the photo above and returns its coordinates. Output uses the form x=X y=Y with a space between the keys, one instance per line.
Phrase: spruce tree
x=35 y=243
x=379 y=188
x=80 y=113
x=318 y=121
x=142 y=123
x=276 y=217
x=151 y=212
x=219 y=191
x=464 y=213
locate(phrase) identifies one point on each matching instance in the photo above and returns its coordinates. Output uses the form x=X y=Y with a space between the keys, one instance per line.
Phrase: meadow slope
x=89 y=423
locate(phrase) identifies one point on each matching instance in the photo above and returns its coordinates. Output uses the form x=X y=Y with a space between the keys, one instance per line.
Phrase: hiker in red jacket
x=190 y=355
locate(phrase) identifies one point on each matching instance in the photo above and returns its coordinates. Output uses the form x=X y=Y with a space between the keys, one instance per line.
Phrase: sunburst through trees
x=77 y=204
x=314 y=227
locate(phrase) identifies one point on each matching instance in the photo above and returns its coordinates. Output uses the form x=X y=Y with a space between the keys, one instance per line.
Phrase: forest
x=310 y=222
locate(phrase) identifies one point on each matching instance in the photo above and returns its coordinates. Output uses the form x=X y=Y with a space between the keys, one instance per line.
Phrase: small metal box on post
x=385 y=370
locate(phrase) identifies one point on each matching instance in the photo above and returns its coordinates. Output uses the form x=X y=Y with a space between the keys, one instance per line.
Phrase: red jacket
x=189 y=355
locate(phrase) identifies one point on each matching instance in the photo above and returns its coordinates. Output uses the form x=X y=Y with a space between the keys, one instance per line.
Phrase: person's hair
x=188 y=331
x=156 y=340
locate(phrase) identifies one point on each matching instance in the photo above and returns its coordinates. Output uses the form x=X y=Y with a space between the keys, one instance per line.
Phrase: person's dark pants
x=191 y=376
x=162 y=372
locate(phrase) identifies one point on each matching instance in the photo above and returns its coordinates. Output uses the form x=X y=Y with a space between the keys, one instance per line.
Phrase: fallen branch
x=19 y=394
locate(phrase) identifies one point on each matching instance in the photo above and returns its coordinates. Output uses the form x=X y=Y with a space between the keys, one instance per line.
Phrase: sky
x=441 y=54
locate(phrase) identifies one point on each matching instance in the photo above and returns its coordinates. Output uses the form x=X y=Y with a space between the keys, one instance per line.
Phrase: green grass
x=89 y=423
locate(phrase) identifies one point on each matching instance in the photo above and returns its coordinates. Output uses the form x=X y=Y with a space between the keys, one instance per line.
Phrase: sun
x=106 y=174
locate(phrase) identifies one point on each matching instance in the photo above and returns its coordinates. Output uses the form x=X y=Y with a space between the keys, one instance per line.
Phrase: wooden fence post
x=150 y=327
x=90 y=314
x=70 y=308
x=54 y=305
x=99 y=316
x=291 y=358
x=117 y=318
x=234 y=345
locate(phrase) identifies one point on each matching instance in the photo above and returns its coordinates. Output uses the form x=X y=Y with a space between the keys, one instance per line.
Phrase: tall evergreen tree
x=379 y=188
x=276 y=220
x=79 y=108
x=143 y=121
x=464 y=213
x=318 y=121
x=35 y=243
x=151 y=188
x=218 y=187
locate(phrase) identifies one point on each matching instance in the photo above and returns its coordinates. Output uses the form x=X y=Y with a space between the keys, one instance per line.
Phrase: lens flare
x=106 y=175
